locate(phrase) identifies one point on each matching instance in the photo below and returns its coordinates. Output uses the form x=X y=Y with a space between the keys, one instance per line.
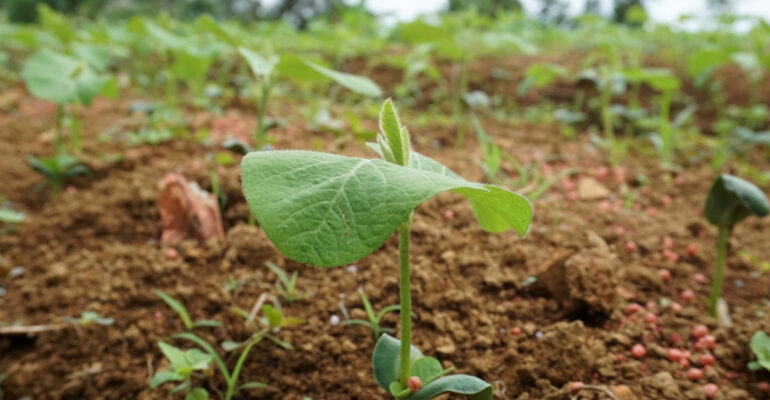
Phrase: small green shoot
x=374 y=319
x=730 y=200
x=88 y=318
x=272 y=322
x=760 y=346
x=182 y=363
x=180 y=309
x=9 y=219
x=57 y=169
x=287 y=286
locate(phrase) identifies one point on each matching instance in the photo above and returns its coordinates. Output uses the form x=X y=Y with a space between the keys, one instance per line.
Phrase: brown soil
x=96 y=247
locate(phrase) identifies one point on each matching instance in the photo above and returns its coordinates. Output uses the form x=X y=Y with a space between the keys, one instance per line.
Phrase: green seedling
x=67 y=82
x=760 y=346
x=272 y=322
x=9 y=219
x=329 y=210
x=180 y=309
x=57 y=169
x=540 y=75
x=374 y=319
x=88 y=318
x=730 y=200
x=287 y=286
x=265 y=69
x=182 y=363
x=234 y=285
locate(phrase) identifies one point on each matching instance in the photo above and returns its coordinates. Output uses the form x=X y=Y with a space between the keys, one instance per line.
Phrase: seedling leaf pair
x=386 y=367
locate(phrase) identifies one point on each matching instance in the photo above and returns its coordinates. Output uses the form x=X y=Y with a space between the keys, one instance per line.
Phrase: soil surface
x=530 y=315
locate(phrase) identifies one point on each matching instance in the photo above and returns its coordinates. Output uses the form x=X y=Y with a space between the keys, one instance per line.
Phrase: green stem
x=76 y=130
x=609 y=132
x=719 y=270
x=261 y=126
x=667 y=135
x=406 y=299
x=239 y=365
x=58 y=141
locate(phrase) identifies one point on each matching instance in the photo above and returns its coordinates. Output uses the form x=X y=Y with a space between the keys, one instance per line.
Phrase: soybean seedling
x=57 y=169
x=329 y=210
x=760 y=346
x=374 y=319
x=287 y=286
x=180 y=309
x=730 y=200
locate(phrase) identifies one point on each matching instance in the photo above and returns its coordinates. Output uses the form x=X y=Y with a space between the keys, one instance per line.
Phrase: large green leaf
x=386 y=360
x=191 y=66
x=732 y=199
x=61 y=79
x=473 y=387
x=328 y=210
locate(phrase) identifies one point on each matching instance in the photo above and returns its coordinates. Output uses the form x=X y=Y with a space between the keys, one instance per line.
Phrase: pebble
x=334 y=320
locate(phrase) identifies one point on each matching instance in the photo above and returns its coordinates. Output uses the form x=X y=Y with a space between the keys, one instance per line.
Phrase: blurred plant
x=180 y=309
x=374 y=319
x=287 y=286
x=730 y=200
x=760 y=346
x=57 y=169
x=9 y=219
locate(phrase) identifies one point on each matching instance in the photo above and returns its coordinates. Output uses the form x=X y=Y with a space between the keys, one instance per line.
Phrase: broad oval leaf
x=474 y=388
x=162 y=377
x=386 y=360
x=732 y=199
x=197 y=394
x=328 y=210
x=426 y=368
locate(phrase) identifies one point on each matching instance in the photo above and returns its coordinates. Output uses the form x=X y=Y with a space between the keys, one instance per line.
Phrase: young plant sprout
x=182 y=366
x=272 y=322
x=287 y=287
x=88 y=318
x=183 y=363
x=760 y=346
x=180 y=309
x=9 y=219
x=329 y=210
x=730 y=200
x=374 y=319
x=57 y=169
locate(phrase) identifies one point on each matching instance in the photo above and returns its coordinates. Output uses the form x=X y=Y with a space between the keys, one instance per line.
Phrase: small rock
x=623 y=392
x=590 y=189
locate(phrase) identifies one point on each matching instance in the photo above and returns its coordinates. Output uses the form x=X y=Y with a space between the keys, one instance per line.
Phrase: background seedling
x=180 y=309
x=287 y=286
x=330 y=210
x=730 y=200
x=760 y=346
x=57 y=169
x=374 y=319
x=9 y=219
